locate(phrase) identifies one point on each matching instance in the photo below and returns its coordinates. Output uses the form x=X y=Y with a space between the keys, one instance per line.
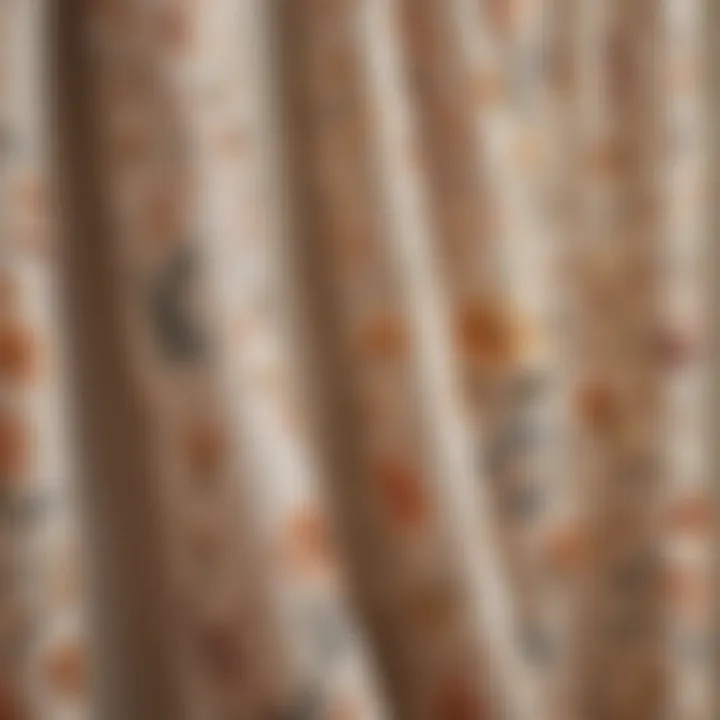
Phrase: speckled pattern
x=413 y=299
x=44 y=662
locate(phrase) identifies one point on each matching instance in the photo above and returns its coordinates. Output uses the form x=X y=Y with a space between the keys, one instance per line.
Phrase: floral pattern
x=413 y=295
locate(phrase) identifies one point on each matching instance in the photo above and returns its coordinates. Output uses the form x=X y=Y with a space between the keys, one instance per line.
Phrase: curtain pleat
x=355 y=360
x=43 y=634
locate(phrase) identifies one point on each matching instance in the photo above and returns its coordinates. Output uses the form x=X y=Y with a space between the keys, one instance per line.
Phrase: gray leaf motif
x=178 y=334
x=693 y=646
x=306 y=707
x=21 y=510
x=524 y=502
x=518 y=437
x=538 y=644
x=327 y=631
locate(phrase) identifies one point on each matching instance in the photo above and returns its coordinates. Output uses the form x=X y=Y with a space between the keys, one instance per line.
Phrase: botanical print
x=414 y=302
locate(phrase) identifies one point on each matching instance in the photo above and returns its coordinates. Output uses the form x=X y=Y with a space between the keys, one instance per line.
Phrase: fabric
x=355 y=360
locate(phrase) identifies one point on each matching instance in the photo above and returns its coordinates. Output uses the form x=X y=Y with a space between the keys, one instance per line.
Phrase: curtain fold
x=355 y=360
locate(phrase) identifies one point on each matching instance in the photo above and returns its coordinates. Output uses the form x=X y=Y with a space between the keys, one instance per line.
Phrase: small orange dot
x=598 y=405
x=10 y=707
x=491 y=334
x=14 y=448
x=691 y=514
x=206 y=447
x=18 y=353
x=458 y=700
x=308 y=543
x=567 y=549
x=66 y=669
x=403 y=494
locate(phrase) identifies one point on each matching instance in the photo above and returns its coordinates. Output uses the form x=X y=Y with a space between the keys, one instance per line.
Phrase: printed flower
x=402 y=493
x=691 y=515
x=66 y=669
x=18 y=353
x=458 y=699
x=10 y=706
x=14 y=447
x=307 y=544
x=598 y=405
x=206 y=447
x=567 y=549
x=492 y=335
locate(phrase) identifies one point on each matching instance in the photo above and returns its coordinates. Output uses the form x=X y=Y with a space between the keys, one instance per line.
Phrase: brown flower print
x=403 y=494
x=66 y=669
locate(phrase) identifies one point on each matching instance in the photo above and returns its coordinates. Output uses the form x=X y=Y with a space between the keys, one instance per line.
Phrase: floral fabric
x=414 y=305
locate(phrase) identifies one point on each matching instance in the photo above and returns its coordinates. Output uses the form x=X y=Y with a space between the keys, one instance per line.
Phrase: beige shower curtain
x=355 y=360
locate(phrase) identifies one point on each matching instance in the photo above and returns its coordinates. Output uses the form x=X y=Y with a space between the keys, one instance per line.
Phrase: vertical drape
x=43 y=633
x=401 y=343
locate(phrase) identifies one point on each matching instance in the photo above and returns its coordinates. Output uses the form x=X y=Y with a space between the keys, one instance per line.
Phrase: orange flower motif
x=206 y=447
x=18 y=353
x=10 y=707
x=459 y=700
x=66 y=669
x=403 y=494
x=691 y=515
x=567 y=549
x=598 y=405
x=308 y=545
x=14 y=448
x=492 y=335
